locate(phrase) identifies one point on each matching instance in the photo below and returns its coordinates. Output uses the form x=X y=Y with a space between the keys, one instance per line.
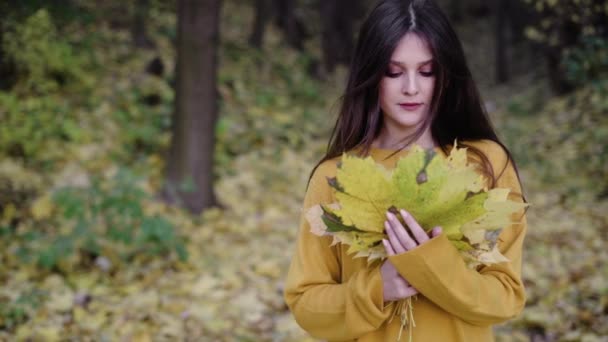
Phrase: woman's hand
x=393 y=285
x=399 y=241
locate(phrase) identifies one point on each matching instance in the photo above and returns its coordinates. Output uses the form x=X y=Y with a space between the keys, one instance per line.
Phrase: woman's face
x=406 y=90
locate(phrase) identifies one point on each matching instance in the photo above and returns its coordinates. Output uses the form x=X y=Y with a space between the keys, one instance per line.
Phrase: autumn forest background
x=154 y=157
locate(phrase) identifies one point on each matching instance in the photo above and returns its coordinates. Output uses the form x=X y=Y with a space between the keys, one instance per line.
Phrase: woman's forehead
x=411 y=50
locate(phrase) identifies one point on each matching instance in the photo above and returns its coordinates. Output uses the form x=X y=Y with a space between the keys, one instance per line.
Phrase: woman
x=409 y=84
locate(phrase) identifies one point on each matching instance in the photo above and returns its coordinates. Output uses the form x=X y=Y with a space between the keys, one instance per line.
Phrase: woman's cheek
x=429 y=85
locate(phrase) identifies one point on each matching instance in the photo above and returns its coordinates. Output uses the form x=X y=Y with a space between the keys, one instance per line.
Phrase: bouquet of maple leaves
x=436 y=191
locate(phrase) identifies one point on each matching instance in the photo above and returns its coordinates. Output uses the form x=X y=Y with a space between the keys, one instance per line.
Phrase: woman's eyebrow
x=419 y=64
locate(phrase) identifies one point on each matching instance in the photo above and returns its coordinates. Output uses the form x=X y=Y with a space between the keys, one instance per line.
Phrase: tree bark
x=262 y=8
x=8 y=72
x=502 y=67
x=2 y=60
x=138 y=29
x=337 y=21
x=519 y=18
x=190 y=162
x=295 y=31
x=479 y=8
x=568 y=36
x=456 y=10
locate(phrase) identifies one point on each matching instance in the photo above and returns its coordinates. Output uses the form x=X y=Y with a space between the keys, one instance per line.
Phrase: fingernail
x=403 y=213
x=389 y=215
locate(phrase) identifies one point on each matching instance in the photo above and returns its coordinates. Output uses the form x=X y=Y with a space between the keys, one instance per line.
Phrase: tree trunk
x=560 y=85
x=519 y=18
x=190 y=162
x=569 y=33
x=455 y=10
x=502 y=67
x=294 y=29
x=138 y=29
x=337 y=21
x=479 y=8
x=262 y=8
x=2 y=59
x=8 y=72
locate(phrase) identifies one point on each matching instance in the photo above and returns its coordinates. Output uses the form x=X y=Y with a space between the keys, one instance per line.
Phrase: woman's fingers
x=387 y=246
x=401 y=235
x=393 y=240
x=394 y=286
x=415 y=228
x=402 y=281
x=407 y=292
x=436 y=231
x=399 y=240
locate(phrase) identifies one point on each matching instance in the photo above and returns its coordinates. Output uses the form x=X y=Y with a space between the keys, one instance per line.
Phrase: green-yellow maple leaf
x=437 y=191
x=365 y=192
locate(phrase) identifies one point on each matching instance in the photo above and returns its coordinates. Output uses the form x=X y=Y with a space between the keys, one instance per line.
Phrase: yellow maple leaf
x=437 y=191
x=365 y=193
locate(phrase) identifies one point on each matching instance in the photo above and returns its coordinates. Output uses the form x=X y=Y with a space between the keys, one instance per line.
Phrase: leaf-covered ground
x=273 y=128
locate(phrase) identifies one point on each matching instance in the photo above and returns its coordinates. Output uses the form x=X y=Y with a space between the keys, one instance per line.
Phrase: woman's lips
x=410 y=106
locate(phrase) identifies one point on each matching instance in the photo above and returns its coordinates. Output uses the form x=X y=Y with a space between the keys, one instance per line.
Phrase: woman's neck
x=391 y=140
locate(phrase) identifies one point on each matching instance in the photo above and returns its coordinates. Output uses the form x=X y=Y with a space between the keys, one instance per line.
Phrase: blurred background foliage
x=89 y=249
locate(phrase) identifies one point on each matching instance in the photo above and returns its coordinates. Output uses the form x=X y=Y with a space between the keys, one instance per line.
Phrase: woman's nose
x=410 y=85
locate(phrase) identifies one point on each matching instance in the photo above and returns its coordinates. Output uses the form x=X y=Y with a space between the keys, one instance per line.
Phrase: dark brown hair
x=456 y=111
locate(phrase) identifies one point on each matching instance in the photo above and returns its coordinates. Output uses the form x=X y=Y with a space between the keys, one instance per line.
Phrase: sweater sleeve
x=321 y=303
x=489 y=295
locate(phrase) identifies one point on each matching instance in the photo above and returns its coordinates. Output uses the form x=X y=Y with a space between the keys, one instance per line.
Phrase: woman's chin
x=407 y=122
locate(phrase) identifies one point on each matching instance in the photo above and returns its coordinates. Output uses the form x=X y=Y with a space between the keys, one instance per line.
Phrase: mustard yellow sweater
x=336 y=297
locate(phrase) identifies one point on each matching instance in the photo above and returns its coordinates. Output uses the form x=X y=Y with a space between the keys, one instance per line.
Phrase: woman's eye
x=427 y=73
x=393 y=74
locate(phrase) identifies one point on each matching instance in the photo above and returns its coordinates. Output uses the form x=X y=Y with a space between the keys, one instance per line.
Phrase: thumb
x=436 y=231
